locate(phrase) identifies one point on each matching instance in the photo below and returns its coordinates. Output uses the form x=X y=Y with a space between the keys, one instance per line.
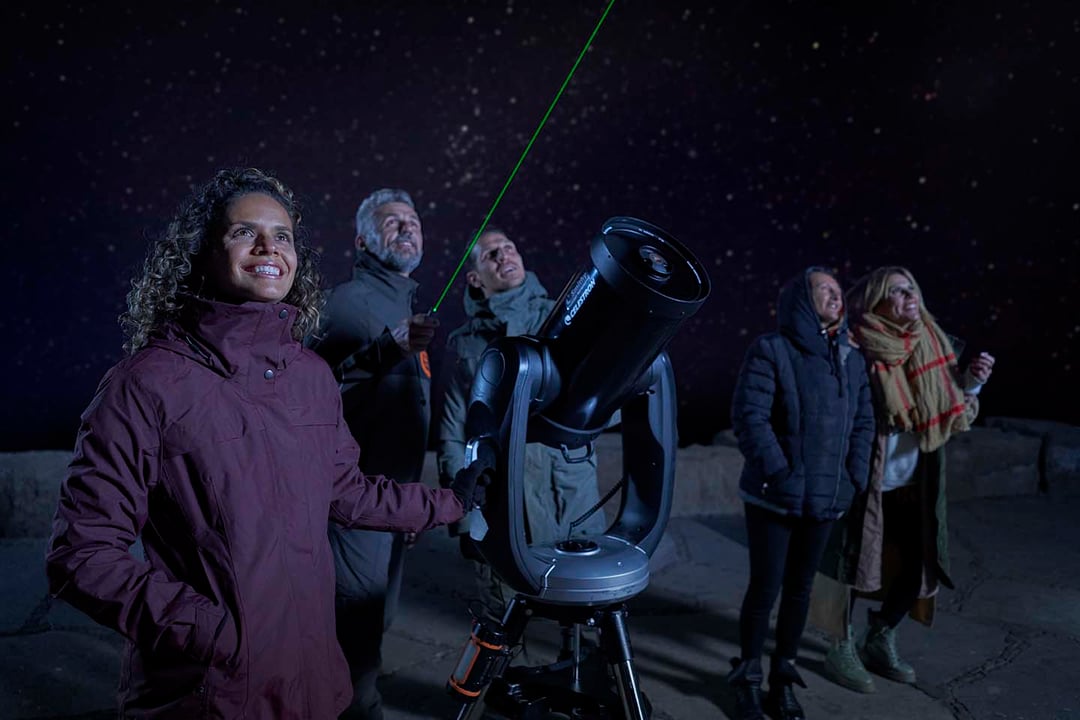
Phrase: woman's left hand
x=981 y=367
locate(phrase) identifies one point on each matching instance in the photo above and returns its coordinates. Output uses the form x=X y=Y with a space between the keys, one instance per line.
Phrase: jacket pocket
x=219 y=682
x=226 y=648
x=315 y=428
x=785 y=488
x=214 y=637
x=845 y=492
x=201 y=455
x=312 y=414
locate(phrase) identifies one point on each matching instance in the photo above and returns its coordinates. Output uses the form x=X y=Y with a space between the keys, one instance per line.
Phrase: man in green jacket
x=503 y=299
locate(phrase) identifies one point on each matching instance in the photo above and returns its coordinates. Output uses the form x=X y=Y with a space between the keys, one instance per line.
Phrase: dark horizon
x=766 y=137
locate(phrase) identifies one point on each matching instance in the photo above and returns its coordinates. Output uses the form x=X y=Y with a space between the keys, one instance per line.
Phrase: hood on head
x=796 y=316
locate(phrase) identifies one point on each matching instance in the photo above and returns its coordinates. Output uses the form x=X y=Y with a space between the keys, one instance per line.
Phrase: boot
x=780 y=703
x=843 y=666
x=879 y=653
x=745 y=679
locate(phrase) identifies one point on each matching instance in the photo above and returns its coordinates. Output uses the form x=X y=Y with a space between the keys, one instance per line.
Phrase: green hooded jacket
x=556 y=492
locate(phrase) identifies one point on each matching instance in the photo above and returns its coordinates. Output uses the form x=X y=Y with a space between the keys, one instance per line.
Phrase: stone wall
x=988 y=461
x=1006 y=456
x=29 y=483
x=1059 y=451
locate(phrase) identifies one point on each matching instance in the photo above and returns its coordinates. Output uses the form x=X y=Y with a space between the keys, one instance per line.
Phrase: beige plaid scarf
x=913 y=371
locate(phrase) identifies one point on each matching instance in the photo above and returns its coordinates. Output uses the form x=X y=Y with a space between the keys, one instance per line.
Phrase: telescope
x=599 y=352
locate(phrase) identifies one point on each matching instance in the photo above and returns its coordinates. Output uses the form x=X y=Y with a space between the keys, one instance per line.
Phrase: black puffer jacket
x=802 y=413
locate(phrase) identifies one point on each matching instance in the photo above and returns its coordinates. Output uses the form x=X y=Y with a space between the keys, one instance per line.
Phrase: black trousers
x=902 y=509
x=368 y=566
x=785 y=552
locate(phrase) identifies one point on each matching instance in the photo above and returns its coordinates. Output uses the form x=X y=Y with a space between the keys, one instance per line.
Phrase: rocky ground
x=1006 y=643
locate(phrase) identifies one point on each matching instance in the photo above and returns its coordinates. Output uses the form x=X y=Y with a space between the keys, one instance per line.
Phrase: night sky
x=765 y=136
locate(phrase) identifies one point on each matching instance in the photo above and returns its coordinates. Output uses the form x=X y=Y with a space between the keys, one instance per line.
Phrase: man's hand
x=415 y=333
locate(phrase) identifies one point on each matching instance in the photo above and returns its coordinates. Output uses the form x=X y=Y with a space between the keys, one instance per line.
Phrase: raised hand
x=415 y=333
x=980 y=367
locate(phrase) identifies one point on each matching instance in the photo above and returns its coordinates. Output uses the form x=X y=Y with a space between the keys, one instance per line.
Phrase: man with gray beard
x=377 y=348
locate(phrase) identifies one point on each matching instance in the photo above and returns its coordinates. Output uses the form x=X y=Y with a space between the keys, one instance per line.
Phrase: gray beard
x=397 y=261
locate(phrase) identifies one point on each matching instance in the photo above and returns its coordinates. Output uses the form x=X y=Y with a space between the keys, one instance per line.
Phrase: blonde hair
x=868 y=292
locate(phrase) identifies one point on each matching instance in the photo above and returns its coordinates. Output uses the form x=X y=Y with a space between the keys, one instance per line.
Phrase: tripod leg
x=515 y=619
x=615 y=642
x=486 y=656
x=575 y=676
x=570 y=650
x=467 y=711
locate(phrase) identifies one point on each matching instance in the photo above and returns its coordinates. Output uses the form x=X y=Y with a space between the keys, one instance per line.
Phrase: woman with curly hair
x=219 y=442
x=175 y=271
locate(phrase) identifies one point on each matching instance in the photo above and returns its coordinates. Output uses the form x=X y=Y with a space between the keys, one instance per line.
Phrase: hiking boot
x=781 y=702
x=843 y=666
x=879 y=653
x=745 y=679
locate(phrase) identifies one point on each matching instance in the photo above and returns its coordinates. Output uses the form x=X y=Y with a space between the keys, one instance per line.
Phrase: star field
x=766 y=136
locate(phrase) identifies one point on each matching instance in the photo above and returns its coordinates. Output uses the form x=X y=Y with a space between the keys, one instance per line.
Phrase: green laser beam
x=521 y=159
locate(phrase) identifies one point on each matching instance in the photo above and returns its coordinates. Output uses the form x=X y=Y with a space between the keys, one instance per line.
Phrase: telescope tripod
x=592 y=685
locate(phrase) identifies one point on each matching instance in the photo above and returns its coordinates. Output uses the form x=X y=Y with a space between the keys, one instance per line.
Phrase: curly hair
x=171 y=271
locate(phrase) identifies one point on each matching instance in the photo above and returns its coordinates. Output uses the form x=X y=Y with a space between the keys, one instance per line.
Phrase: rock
x=1009 y=456
x=1026 y=426
x=1059 y=465
x=986 y=462
x=726 y=438
x=706 y=476
x=707 y=480
x=29 y=486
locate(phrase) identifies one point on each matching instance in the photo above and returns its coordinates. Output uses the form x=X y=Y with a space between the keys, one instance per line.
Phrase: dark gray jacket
x=802 y=414
x=385 y=394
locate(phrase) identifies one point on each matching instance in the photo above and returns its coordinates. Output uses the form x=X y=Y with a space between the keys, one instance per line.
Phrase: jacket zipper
x=844 y=445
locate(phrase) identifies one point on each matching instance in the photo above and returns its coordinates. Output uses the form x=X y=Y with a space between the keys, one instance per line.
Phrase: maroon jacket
x=222 y=445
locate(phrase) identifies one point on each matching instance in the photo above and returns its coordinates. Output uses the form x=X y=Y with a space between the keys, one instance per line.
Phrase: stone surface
x=58 y=674
x=29 y=485
x=1025 y=426
x=1013 y=623
x=1009 y=456
x=22 y=565
x=706 y=477
x=1062 y=461
x=1014 y=619
x=1059 y=453
x=989 y=462
x=1003 y=646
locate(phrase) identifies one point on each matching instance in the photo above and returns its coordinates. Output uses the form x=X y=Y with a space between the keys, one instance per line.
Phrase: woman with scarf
x=894 y=545
x=803 y=417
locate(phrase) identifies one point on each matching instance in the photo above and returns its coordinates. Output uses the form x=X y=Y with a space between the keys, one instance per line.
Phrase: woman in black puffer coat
x=803 y=417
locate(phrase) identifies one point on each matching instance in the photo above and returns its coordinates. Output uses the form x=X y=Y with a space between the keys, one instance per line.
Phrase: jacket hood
x=505 y=306
x=798 y=320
